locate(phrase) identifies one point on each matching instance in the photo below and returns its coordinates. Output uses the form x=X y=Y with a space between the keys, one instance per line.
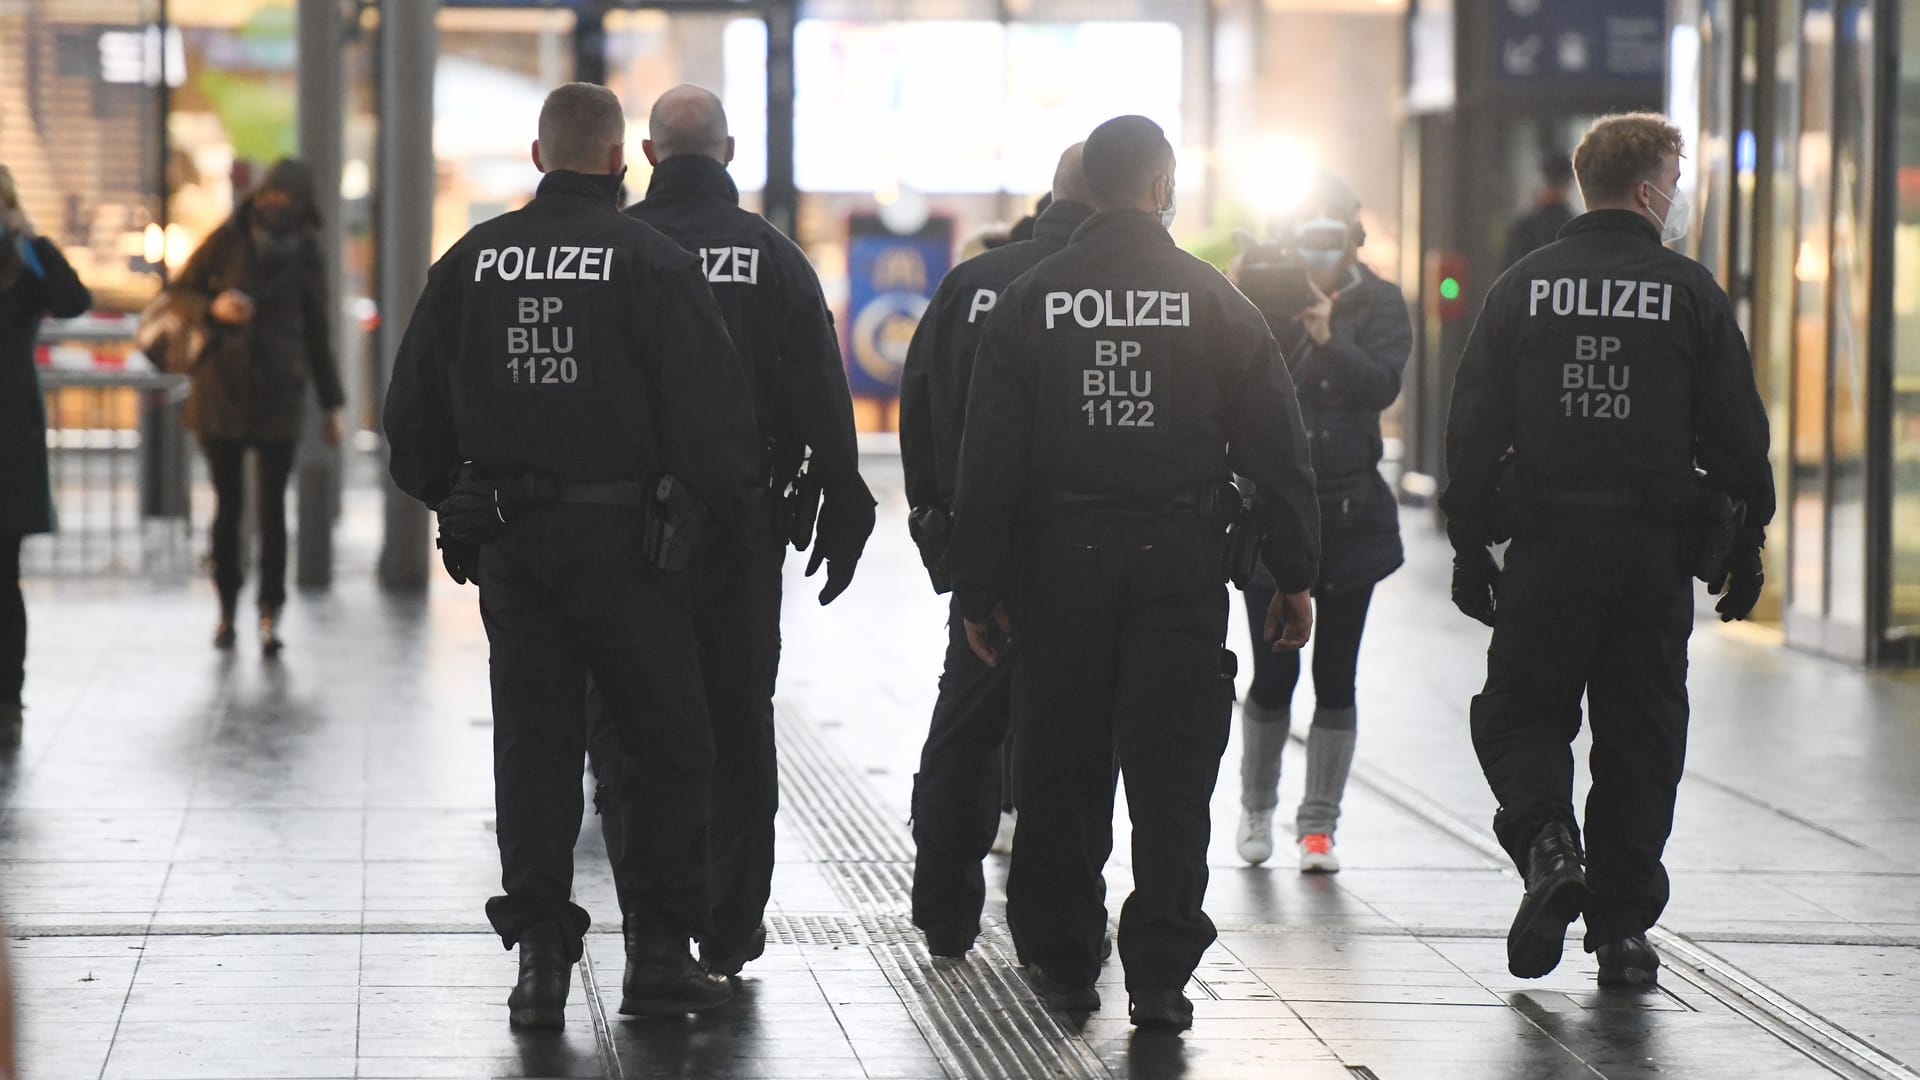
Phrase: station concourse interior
x=215 y=864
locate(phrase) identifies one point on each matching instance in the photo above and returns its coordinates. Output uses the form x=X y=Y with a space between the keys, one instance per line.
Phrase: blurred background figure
x=1552 y=208
x=258 y=285
x=35 y=281
x=1346 y=337
x=8 y=1067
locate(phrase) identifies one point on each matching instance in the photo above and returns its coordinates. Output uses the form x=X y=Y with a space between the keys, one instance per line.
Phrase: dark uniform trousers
x=957 y=792
x=736 y=619
x=1121 y=625
x=1597 y=603
x=565 y=595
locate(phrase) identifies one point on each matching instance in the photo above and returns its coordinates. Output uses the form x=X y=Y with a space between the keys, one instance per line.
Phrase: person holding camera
x=257 y=289
x=35 y=281
x=1346 y=336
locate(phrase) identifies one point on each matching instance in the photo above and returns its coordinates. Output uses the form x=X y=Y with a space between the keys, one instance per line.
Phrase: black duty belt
x=1628 y=499
x=1125 y=504
x=611 y=493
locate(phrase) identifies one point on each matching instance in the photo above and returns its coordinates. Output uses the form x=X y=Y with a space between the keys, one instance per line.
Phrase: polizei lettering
x=533 y=263
x=1093 y=309
x=1601 y=298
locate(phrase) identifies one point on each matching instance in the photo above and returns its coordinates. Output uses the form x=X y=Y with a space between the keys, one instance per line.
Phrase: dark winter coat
x=26 y=495
x=1344 y=386
x=251 y=381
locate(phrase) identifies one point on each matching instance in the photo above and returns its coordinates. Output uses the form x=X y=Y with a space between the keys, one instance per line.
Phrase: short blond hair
x=1619 y=151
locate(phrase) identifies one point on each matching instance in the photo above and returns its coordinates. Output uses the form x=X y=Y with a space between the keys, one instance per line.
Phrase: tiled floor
x=222 y=867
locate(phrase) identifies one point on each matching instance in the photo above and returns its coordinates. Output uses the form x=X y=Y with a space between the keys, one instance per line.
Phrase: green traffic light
x=1449 y=288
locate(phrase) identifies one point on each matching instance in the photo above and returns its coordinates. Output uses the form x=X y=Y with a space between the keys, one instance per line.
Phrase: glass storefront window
x=80 y=101
x=1903 y=600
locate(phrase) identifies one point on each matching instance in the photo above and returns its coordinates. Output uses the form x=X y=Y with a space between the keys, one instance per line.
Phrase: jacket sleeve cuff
x=976 y=604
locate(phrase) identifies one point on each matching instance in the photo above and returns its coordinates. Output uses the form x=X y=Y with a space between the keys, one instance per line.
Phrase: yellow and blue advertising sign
x=890 y=280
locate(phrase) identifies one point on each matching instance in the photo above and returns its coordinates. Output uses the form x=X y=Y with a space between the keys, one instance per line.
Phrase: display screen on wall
x=966 y=106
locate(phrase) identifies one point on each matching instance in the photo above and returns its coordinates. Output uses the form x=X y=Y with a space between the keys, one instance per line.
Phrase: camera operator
x=1346 y=336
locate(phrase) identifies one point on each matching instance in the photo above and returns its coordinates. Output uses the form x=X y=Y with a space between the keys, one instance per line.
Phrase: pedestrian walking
x=957 y=790
x=1119 y=386
x=256 y=292
x=1605 y=418
x=567 y=398
x=809 y=465
x=35 y=281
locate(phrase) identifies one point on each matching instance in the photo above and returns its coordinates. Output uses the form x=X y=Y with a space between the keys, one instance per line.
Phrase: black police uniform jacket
x=939 y=367
x=1344 y=386
x=569 y=339
x=1605 y=360
x=1125 y=368
x=771 y=300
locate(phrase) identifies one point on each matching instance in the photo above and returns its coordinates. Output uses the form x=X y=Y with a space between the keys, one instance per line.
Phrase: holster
x=1224 y=506
x=676 y=519
x=1711 y=533
x=799 y=493
x=932 y=530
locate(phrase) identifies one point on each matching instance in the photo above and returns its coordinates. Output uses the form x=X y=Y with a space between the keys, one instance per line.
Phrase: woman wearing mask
x=35 y=281
x=1346 y=335
x=258 y=284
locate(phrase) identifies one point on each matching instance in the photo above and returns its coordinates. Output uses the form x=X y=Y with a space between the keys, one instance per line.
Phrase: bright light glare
x=1275 y=173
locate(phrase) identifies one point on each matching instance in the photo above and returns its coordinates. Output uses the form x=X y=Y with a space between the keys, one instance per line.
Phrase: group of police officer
x=624 y=419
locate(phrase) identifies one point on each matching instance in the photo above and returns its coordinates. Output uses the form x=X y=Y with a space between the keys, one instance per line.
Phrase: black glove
x=1746 y=577
x=480 y=507
x=1476 y=583
x=461 y=560
x=845 y=524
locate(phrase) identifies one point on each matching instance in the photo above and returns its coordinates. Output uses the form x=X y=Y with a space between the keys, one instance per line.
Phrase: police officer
x=567 y=377
x=1119 y=385
x=956 y=793
x=1603 y=372
x=780 y=324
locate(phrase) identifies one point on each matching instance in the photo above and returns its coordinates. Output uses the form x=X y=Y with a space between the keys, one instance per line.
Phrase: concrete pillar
x=409 y=45
x=780 y=200
x=322 y=30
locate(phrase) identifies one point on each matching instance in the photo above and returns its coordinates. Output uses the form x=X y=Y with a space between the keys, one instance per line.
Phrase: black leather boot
x=539 y=999
x=1628 y=962
x=1164 y=1010
x=1556 y=895
x=663 y=979
x=727 y=958
x=1063 y=996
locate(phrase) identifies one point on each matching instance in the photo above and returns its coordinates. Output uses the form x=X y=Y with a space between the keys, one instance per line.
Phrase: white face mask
x=1679 y=215
x=1167 y=212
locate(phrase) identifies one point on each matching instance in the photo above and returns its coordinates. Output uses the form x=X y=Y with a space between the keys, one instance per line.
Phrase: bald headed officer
x=956 y=793
x=567 y=398
x=1119 y=385
x=771 y=300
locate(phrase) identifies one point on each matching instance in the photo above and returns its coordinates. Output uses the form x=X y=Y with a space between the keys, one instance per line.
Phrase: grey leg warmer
x=1263 y=735
x=1329 y=759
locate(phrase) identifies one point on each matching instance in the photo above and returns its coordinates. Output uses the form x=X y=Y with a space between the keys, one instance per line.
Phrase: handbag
x=172 y=337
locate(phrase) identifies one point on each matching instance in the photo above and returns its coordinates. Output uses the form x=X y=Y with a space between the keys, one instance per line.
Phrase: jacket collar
x=1623 y=221
x=1128 y=224
x=580 y=185
x=1057 y=222
x=688 y=177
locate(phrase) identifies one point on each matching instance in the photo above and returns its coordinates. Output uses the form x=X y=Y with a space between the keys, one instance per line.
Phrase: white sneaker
x=1003 y=839
x=1316 y=855
x=1256 y=836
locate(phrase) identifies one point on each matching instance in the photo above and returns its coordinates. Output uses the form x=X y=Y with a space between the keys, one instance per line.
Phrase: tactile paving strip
x=978 y=1016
